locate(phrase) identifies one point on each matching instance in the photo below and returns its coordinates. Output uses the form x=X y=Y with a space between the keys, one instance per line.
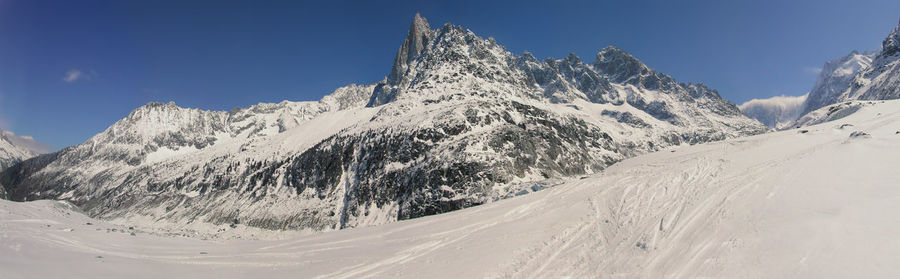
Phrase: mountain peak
x=416 y=39
x=572 y=58
x=891 y=44
x=152 y=105
x=419 y=21
x=619 y=65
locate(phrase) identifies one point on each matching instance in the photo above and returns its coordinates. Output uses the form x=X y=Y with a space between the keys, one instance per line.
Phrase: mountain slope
x=775 y=112
x=866 y=76
x=835 y=79
x=459 y=121
x=856 y=77
x=10 y=153
x=15 y=149
x=767 y=206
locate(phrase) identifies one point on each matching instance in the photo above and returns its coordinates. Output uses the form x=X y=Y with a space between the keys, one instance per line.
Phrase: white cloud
x=74 y=75
x=812 y=70
x=28 y=142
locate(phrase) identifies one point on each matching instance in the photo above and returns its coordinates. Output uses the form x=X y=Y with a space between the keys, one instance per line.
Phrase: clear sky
x=69 y=69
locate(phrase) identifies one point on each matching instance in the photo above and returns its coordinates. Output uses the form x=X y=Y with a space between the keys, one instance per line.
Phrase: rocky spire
x=416 y=41
x=891 y=44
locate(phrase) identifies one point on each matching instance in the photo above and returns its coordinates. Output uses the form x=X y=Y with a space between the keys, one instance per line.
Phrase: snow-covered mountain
x=835 y=80
x=858 y=76
x=819 y=203
x=27 y=142
x=14 y=149
x=459 y=121
x=775 y=112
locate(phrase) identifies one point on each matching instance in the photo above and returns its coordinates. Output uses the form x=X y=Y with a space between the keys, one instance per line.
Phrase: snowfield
x=812 y=202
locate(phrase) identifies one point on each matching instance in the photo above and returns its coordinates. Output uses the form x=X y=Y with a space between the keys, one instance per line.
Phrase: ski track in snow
x=785 y=204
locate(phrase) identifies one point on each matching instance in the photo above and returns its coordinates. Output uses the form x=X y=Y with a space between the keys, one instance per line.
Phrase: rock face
x=459 y=121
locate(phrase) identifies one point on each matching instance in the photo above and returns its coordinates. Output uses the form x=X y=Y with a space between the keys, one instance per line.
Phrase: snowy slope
x=835 y=79
x=768 y=206
x=459 y=121
x=775 y=112
x=10 y=153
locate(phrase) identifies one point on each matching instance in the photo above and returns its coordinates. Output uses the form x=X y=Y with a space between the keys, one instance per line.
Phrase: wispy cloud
x=812 y=70
x=74 y=75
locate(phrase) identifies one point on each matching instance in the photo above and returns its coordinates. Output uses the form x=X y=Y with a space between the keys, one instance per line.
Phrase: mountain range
x=458 y=121
x=868 y=76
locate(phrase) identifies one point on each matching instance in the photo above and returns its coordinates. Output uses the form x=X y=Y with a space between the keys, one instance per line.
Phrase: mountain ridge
x=847 y=82
x=459 y=121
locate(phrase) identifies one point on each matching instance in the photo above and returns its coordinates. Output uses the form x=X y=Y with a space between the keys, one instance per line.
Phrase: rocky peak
x=427 y=55
x=416 y=39
x=835 y=78
x=891 y=44
x=619 y=66
x=573 y=59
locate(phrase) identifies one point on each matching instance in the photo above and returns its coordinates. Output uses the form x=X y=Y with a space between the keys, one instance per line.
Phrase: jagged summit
x=618 y=65
x=160 y=104
x=891 y=44
x=622 y=67
x=459 y=121
x=414 y=44
x=873 y=75
x=835 y=78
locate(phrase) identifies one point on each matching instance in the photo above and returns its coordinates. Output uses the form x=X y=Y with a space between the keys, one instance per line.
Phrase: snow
x=26 y=142
x=786 y=204
x=834 y=81
x=14 y=149
x=165 y=152
x=195 y=169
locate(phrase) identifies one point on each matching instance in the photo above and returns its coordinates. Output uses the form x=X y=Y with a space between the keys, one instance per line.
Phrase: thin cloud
x=74 y=75
x=812 y=70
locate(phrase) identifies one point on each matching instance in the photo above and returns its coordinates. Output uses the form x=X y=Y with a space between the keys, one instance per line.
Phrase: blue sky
x=69 y=69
